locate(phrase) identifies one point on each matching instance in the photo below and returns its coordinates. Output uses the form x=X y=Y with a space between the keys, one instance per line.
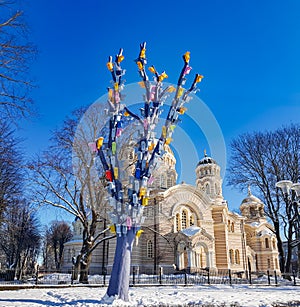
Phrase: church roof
x=191 y=231
x=250 y=199
x=266 y=232
x=206 y=160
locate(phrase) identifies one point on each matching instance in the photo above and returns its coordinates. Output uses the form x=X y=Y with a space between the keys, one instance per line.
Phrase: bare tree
x=63 y=177
x=20 y=237
x=11 y=172
x=56 y=236
x=16 y=55
x=261 y=160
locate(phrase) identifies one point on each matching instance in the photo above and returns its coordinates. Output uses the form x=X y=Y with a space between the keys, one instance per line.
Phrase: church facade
x=191 y=228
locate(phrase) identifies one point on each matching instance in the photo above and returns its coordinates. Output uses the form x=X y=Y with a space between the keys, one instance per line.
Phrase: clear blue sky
x=248 y=51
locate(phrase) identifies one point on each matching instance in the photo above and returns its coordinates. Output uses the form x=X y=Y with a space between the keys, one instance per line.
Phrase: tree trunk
x=55 y=256
x=119 y=280
x=76 y=267
x=298 y=263
x=279 y=246
x=84 y=269
x=288 y=258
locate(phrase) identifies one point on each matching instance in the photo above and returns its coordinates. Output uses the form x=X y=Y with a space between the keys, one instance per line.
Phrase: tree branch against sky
x=20 y=237
x=16 y=56
x=11 y=167
x=63 y=177
x=261 y=159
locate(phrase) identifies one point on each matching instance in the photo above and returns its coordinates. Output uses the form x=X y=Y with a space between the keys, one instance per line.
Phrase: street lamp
x=286 y=187
x=296 y=188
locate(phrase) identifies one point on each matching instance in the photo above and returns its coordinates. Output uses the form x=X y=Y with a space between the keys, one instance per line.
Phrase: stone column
x=190 y=257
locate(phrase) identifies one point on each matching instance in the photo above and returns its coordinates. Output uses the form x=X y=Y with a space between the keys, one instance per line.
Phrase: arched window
x=267 y=243
x=202 y=257
x=192 y=220
x=231 y=256
x=149 y=249
x=252 y=212
x=169 y=182
x=163 y=181
x=130 y=155
x=177 y=222
x=183 y=219
x=228 y=226
x=232 y=227
x=269 y=263
x=207 y=188
x=237 y=256
x=274 y=243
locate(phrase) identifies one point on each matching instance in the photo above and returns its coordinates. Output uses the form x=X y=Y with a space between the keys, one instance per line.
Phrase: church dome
x=252 y=207
x=251 y=199
x=206 y=160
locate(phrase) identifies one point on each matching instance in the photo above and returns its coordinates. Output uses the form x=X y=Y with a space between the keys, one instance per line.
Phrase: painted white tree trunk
x=119 y=280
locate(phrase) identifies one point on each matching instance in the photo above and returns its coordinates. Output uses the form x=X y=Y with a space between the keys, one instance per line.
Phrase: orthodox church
x=191 y=228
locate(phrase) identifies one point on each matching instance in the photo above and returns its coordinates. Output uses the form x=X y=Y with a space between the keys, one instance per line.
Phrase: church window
x=169 y=182
x=269 y=263
x=274 y=243
x=207 y=189
x=202 y=258
x=256 y=262
x=163 y=181
x=228 y=226
x=130 y=156
x=252 y=212
x=148 y=211
x=232 y=227
x=177 y=222
x=192 y=220
x=231 y=256
x=237 y=256
x=267 y=243
x=149 y=249
x=183 y=219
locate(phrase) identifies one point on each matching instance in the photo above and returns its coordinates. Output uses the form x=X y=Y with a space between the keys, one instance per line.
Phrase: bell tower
x=208 y=177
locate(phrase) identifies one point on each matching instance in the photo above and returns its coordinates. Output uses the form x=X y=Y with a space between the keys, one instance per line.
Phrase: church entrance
x=192 y=258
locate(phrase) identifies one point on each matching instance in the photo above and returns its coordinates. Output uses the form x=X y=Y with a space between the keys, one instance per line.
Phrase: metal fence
x=163 y=277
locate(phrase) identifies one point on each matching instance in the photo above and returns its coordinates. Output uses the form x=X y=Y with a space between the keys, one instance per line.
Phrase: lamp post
x=291 y=192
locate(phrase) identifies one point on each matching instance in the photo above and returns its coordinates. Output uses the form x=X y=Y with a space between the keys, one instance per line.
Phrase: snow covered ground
x=214 y=295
